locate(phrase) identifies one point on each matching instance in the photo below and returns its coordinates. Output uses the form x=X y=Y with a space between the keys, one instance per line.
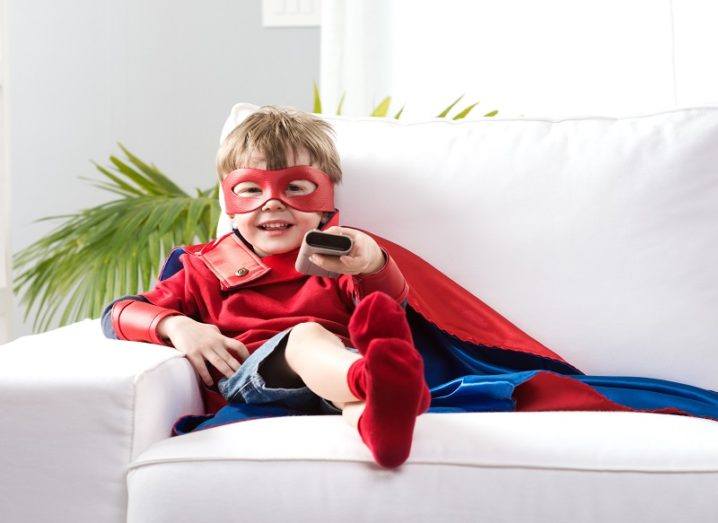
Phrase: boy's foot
x=377 y=316
x=390 y=378
x=395 y=395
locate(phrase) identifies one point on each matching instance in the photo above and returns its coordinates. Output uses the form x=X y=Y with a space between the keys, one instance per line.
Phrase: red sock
x=395 y=390
x=377 y=316
x=356 y=379
x=390 y=378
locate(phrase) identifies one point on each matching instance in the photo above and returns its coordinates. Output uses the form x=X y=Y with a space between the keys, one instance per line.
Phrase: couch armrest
x=75 y=409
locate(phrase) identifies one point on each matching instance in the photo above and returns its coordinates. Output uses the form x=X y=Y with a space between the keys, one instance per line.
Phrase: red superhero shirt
x=251 y=298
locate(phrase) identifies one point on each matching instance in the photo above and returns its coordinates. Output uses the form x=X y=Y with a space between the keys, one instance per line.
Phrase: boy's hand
x=200 y=342
x=365 y=257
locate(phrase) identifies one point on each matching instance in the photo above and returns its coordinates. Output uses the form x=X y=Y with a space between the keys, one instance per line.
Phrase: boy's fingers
x=317 y=259
x=238 y=346
x=346 y=231
x=323 y=261
x=350 y=260
x=228 y=358
x=337 y=229
x=198 y=363
x=219 y=363
x=333 y=263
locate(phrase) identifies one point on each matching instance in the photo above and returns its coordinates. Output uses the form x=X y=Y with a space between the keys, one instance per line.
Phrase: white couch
x=596 y=236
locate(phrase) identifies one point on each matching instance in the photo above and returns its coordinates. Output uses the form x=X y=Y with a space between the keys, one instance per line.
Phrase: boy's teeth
x=275 y=226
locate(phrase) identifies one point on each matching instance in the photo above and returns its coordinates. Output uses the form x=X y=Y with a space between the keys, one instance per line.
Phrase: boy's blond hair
x=270 y=131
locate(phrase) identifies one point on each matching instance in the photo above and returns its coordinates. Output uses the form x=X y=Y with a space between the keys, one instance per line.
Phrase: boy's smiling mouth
x=275 y=225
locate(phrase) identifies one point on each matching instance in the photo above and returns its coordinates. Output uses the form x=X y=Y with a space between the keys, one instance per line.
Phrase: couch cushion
x=596 y=236
x=539 y=466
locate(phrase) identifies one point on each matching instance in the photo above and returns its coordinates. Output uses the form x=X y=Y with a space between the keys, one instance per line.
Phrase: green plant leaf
x=193 y=215
x=341 y=103
x=114 y=249
x=443 y=113
x=383 y=108
x=120 y=185
x=317 y=99
x=153 y=173
x=398 y=114
x=143 y=183
x=105 y=186
x=465 y=111
x=492 y=113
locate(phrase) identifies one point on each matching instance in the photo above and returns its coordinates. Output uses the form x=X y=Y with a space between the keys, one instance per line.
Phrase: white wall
x=547 y=58
x=159 y=76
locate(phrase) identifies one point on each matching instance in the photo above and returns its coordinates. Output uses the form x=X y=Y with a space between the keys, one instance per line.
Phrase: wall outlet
x=291 y=13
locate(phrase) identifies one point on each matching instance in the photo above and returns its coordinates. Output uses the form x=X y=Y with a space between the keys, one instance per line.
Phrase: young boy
x=337 y=344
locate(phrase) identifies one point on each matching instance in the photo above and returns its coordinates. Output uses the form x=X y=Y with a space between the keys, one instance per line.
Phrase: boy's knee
x=303 y=334
x=308 y=328
x=300 y=333
x=313 y=331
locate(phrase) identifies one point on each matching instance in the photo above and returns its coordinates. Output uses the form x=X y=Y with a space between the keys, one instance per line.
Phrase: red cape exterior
x=455 y=310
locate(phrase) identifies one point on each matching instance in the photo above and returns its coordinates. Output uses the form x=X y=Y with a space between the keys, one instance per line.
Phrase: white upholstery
x=75 y=409
x=507 y=467
x=597 y=236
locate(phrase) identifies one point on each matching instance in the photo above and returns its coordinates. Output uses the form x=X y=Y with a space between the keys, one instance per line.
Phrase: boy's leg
x=352 y=411
x=315 y=357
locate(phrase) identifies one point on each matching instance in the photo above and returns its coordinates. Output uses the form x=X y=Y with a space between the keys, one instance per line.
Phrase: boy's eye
x=240 y=190
x=301 y=187
x=297 y=187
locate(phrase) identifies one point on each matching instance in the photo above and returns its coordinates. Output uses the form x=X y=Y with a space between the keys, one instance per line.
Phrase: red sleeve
x=137 y=320
x=388 y=279
x=174 y=292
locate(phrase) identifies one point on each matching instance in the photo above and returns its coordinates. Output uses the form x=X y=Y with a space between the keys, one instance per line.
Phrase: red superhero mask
x=274 y=184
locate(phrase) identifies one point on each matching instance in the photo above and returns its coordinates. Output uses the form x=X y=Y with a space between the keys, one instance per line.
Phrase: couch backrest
x=597 y=236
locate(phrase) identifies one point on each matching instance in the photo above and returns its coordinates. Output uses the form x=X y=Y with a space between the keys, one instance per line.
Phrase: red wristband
x=388 y=279
x=137 y=321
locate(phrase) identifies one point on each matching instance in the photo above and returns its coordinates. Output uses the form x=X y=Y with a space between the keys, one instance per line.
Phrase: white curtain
x=556 y=58
x=356 y=54
x=4 y=208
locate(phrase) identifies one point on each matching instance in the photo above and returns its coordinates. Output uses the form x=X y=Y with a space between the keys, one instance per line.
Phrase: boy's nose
x=273 y=204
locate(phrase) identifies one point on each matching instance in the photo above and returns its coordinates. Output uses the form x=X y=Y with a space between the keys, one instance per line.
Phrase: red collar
x=236 y=265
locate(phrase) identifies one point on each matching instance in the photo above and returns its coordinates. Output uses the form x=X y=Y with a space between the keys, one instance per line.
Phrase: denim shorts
x=247 y=385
